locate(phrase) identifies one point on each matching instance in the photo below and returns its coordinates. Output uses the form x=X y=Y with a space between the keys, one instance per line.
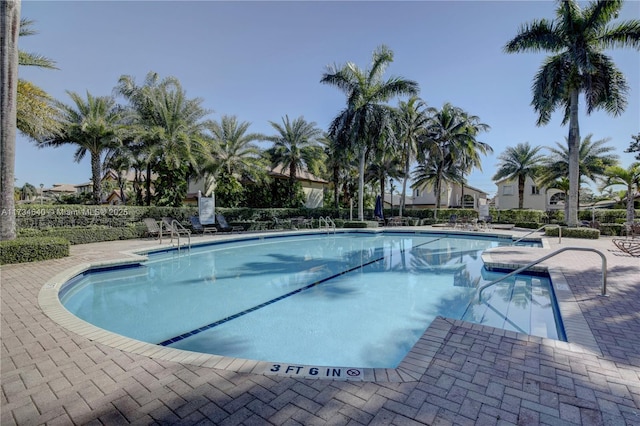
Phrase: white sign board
x=207 y=210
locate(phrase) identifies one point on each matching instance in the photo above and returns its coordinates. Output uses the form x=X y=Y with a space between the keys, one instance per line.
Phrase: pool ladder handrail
x=329 y=223
x=540 y=229
x=527 y=266
x=175 y=225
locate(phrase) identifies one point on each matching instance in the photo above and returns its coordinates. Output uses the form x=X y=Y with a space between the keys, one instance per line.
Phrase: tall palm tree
x=93 y=125
x=577 y=39
x=170 y=128
x=594 y=158
x=630 y=178
x=36 y=114
x=232 y=151
x=447 y=132
x=295 y=146
x=432 y=173
x=412 y=122
x=518 y=163
x=471 y=148
x=9 y=24
x=365 y=120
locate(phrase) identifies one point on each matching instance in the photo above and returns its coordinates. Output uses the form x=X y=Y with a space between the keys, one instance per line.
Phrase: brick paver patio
x=476 y=375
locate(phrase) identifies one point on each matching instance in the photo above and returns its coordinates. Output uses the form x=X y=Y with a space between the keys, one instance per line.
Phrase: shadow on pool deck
x=476 y=374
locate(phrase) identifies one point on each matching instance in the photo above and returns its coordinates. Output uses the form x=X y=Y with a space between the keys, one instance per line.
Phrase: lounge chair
x=629 y=246
x=224 y=226
x=153 y=228
x=201 y=229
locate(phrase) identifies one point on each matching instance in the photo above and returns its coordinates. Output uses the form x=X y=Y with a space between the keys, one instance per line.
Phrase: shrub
x=88 y=234
x=360 y=224
x=586 y=233
x=528 y=225
x=31 y=249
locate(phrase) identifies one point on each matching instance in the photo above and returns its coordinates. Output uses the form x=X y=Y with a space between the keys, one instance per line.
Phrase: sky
x=263 y=60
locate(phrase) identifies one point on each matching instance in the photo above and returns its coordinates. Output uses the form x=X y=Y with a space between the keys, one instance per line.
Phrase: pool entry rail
x=527 y=266
x=540 y=229
x=328 y=223
x=177 y=229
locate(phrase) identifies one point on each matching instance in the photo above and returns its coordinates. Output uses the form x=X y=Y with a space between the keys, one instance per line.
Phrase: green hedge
x=88 y=234
x=359 y=224
x=586 y=233
x=30 y=249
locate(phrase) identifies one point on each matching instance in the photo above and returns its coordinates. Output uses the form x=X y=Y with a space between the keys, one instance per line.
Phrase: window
x=507 y=190
x=535 y=190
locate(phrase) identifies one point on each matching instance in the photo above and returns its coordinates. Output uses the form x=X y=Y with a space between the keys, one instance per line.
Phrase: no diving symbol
x=353 y=372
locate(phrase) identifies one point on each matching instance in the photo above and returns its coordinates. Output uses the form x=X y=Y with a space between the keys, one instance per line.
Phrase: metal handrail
x=176 y=227
x=517 y=271
x=540 y=229
x=328 y=222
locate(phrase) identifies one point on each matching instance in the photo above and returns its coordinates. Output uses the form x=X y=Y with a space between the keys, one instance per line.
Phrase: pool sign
x=316 y=372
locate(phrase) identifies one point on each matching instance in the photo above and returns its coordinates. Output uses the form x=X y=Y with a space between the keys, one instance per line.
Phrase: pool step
x=522 y=306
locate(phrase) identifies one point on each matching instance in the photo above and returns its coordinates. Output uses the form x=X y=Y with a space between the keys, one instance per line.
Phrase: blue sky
x=263 y=60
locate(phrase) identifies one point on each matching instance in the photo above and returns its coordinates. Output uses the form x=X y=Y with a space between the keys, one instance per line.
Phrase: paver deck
x=477 y=374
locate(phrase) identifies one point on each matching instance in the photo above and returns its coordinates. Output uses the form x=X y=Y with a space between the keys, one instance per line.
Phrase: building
x=451 y=197
x=534 y=197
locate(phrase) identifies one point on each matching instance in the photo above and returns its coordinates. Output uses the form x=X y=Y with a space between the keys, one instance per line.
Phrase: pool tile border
x=412 y=367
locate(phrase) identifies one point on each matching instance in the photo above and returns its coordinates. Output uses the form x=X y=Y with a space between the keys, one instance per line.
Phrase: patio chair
x=224 y=226
x=453 y=221
x=201 y=229
x=153 y=228
x=632 y=229
x=629 y=246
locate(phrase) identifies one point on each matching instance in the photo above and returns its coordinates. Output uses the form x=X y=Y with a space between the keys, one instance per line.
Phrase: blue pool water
x=345 y=299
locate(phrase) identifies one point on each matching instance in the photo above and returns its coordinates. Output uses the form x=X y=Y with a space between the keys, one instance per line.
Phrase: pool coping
x=411 y=368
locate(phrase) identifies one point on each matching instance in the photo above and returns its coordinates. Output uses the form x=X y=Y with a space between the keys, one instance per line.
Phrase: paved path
x=478 y=375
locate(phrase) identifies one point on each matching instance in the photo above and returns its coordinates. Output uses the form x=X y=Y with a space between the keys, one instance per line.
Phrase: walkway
x=477 y=375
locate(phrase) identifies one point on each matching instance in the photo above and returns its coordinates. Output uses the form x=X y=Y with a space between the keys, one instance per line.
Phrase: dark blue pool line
x=277 y=299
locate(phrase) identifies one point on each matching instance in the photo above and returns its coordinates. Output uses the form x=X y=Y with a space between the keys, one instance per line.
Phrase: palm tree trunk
x=148 y=184
x=436 y=189
x=630 y=204
x=10 y=27
x=336 y=187
x=521 y=180
x=574 y=159
x=404 y=185
x=363 y=155
x=95 y=173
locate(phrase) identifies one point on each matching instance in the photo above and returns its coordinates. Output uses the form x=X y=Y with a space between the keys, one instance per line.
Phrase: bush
x=613 y=229
x=528 y=225
x=88 y=234
x=586 y=233
x=31 y=249
x=360 y=224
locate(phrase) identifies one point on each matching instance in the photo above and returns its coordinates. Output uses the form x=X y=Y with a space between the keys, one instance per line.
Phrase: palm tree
x=339 y=162
x=630 y=178
x=412 y=121
x=432 y=173
x=36 y=114
x=9 y=24
x=170 y=129
x=471 y=148
x=232 y=151
x=594 y=158
x=295 y=146
x=93 y=125
x=577 y=38
x=518 y=163
x=386 y=163
x=446 y=134
x=365 y=120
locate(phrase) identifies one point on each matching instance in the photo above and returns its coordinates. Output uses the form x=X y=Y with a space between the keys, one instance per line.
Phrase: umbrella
x=378 y=210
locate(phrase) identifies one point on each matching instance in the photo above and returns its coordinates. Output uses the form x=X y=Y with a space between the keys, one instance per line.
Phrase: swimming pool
x=352 y=299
